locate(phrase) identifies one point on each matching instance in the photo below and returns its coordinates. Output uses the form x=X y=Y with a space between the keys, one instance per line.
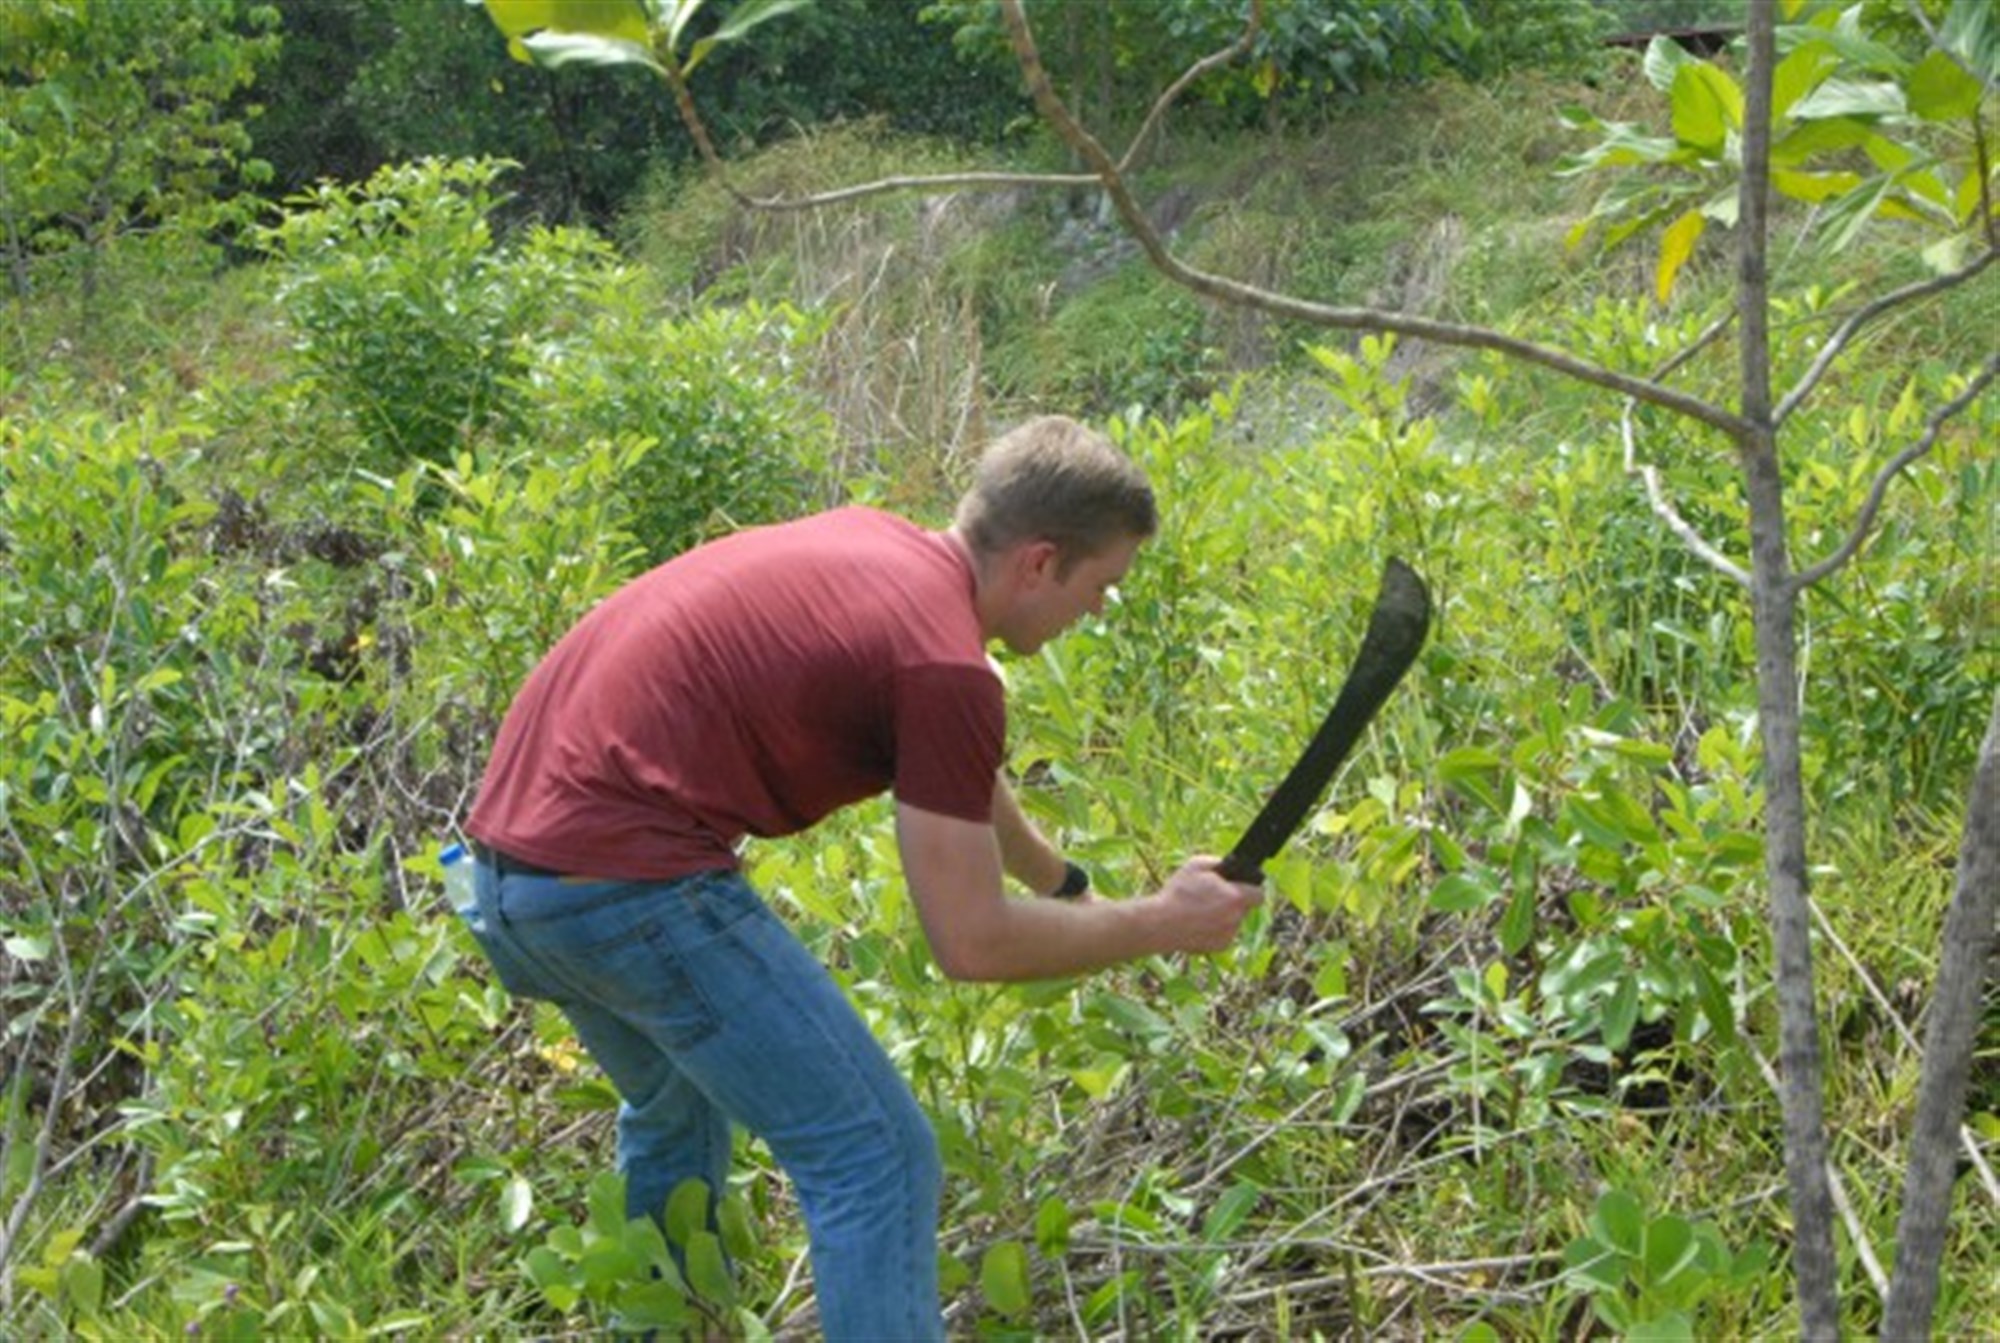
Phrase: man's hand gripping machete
x=1396 y=630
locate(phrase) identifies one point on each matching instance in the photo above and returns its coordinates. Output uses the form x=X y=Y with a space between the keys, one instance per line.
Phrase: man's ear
x=1037 y=562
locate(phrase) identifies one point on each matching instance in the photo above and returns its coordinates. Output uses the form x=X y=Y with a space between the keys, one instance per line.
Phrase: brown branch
x=1964 y=967
x=1226 y=290
x=1864 y=523
x=1707 y=338
x=1848 y=329
x=1201 y=67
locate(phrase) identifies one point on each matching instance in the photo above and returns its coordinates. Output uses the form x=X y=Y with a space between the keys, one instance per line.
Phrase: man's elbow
x=968 y=964
x=971 y=958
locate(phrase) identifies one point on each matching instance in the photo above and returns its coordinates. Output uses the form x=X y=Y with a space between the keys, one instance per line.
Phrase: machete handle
x=1241 y=871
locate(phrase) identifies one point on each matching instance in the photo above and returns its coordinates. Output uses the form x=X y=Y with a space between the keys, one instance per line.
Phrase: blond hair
x=1052 y=479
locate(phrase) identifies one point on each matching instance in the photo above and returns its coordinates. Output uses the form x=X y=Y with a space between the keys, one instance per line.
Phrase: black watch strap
x=1074 y=883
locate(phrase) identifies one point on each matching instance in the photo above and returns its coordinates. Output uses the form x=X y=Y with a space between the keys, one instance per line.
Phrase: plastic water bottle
x=457 y=865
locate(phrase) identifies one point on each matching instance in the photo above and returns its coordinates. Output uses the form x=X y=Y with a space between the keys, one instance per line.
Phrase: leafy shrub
x=730 y=438
x=407 y=310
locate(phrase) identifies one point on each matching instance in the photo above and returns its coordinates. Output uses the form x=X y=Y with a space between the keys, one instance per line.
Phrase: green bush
x=731 y=438
x=408 y=312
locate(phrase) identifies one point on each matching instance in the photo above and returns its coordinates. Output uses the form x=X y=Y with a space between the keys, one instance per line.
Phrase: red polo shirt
x=750 y=686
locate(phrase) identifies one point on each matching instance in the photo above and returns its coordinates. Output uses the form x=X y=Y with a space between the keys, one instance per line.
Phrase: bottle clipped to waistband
x=456 y=861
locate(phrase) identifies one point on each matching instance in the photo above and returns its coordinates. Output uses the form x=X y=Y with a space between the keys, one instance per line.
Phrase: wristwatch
x=1074 y=883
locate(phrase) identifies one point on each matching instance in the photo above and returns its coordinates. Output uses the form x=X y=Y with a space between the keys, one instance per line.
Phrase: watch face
x=1075 y=882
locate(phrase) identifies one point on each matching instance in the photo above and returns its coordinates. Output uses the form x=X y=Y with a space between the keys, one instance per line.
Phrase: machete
x=1396 y=630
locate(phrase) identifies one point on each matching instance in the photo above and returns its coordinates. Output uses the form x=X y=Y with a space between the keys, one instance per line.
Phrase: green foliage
x=640 y=1274
x=1515 y=954
x=1860 y=129
x=1647 y=1276
x=110 y=121
x=658 y=35
x=409 y=314
x=714 y=398
x=1132 y=344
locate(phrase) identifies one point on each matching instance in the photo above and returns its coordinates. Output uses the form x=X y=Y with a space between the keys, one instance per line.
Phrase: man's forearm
x=1049 y=939
x=1025 y=853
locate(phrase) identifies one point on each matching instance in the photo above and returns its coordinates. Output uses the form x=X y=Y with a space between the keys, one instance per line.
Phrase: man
x=750 y=687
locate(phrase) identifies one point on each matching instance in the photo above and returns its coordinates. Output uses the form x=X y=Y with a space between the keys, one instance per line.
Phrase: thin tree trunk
x=1963 y=967
x=1775 y=602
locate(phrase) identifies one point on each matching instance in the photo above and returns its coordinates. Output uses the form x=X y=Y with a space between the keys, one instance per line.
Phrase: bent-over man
x=748 y=688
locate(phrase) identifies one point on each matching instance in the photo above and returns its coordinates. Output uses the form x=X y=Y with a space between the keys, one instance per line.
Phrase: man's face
x=1052 y=599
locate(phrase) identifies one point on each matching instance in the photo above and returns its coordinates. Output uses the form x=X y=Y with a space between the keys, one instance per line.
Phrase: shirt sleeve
x=951 y=726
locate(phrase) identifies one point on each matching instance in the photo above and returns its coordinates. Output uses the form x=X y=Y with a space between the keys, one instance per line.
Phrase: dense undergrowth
x=1488 y=1064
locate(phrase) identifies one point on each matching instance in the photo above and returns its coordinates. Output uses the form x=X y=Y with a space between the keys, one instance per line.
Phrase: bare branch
x=1656 y=495
x=1949 y=1045
x=1844 y=336
x=1236 y=292
x=1989 y=224
x=705 y=146
x=1864 y=523
x=1857 y=1234
x=1707 y=338
x=1194 y=72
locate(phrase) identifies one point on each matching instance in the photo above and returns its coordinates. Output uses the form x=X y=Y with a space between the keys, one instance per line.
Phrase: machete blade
x=1396 y=631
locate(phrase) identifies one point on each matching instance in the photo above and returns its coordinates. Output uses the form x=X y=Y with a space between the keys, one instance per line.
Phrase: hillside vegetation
x=279 y=540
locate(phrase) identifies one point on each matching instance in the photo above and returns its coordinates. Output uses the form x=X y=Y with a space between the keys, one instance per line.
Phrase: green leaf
x=1715 y=1004
x=1797 y=75
x=1814 y=187
x=1939 y=89
x=687 y=1210
x=708 y=1269
x=27 y=948
x=1676 y=246
x=1707 y=104
x=1850 y=98
x=1664 y=61
x=1621 y=1013
x=1670 y=1248
x=733 y=1220
x=1052 y=1227
x=517 y=1201
x=1471 y=769
x=607 y=1203
x=652 y=1305
x=740 y=21
x=1003 y=1278
x=83 y=1283
x=1131 y=1016
x=1670 y=1328
x=1849 y=214
x=553 y=1278
x=1829 y=136
x=1835 y=33
x=556 y=50
x=1620 y=1222
x=1517 y=925
x=1594 y=1263
x=1231 y=1211
x=518 y=19
x=1463 y=892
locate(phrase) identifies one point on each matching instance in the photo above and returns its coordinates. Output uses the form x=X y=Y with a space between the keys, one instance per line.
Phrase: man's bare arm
x=977 y=933
x=1025 y=852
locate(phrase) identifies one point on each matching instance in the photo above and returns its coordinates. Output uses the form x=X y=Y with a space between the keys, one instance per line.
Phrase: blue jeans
x=704 y=1009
